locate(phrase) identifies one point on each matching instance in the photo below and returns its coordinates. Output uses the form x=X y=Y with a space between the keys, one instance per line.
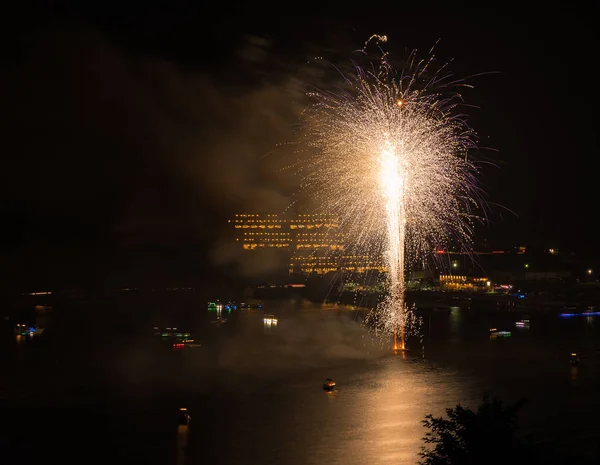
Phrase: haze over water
x=257 y=398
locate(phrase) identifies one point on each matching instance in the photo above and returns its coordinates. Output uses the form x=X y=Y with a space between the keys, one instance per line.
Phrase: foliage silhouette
x=485 y=436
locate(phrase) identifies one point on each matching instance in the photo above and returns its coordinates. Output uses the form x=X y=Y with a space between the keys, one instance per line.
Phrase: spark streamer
x=388 y=156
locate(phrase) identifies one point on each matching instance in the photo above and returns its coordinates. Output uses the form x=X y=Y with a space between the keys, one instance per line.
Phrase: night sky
x=130 y=135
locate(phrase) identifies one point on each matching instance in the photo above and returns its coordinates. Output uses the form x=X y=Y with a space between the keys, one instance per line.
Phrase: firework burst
x=388 y=157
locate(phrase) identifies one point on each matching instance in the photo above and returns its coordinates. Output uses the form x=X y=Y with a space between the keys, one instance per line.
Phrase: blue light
x=568 y=315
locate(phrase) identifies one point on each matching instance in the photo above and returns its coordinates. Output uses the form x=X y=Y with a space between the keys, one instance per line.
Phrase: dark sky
x=129 y=135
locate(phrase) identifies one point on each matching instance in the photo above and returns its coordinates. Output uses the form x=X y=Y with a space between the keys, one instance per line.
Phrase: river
x=255 y=396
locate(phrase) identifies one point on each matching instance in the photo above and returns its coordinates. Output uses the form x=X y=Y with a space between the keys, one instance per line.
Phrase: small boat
x=270 y=320
x=522 y=323
x=191 y=343
x=329 y=385
x=184 y=417
x=183 y=428
x=574 y=359
x=26 y=330
x=494 y=333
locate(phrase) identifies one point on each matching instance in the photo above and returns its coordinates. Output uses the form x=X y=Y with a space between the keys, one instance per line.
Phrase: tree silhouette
x=488 y=436
x=476 y=437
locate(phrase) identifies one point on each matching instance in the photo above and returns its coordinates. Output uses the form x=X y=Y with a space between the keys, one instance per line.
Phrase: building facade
x=313 y=242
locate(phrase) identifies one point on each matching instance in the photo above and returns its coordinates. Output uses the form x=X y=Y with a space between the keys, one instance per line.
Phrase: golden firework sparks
x=388 y=157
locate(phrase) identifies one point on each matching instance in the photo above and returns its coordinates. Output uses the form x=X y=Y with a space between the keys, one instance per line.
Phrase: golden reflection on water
x=182 y=441
x=574 y=372
x=386 y=410
x=395 y=415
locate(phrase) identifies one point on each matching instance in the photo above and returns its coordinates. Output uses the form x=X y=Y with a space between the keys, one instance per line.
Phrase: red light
x=440 y=251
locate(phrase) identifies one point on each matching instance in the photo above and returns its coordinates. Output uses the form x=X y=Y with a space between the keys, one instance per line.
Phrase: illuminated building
x=463 y=283
x=302 y=232
x=314 y=242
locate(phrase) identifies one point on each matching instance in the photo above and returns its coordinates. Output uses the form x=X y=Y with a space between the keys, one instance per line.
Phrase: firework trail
x=388 y=157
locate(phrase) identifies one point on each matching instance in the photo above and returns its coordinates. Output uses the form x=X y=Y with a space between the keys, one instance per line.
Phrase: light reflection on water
x=390 y=412
x=374 y=417
x=376 y=414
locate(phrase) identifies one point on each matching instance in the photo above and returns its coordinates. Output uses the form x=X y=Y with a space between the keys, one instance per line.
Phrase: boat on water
x=27 y=330
x=255 y=304
x=587 y=310
x=185 y=344
x=270 y=319
x=496 y=333
x=329 y=385
x=574 y=359
x=183 y=427
x=524 y=323
x=191 y=343
x=170 y=332
x=184 y=417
